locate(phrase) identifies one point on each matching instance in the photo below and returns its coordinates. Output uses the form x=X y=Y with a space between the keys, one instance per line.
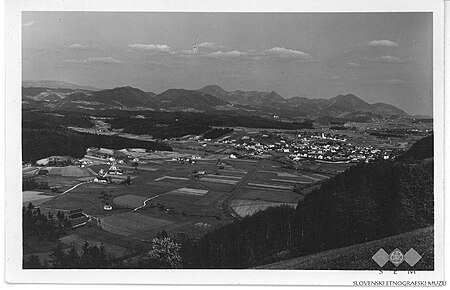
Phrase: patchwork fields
x=164 y=195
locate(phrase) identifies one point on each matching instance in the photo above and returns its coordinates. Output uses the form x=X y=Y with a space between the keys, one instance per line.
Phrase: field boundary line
x=73 y=187
x=145 y=202
x=223 y=176
x=310 y=177
x=320 y=175
x=216 y=180
x=240 y=184
x=234 y=171
x=91 y=171
x=267 y=188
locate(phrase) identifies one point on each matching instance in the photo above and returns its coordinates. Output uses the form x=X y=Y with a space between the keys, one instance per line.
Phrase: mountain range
x=340 y=106
x=61 y=95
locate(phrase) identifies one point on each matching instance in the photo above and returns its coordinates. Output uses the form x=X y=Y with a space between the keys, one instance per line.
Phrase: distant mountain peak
x=214 y=87
x=213 y=90
x=273 y=97
x=349 y=100
x=124 y=96
x=274 y=94
x=346 y=97
x=125 y=88
x=216 y=91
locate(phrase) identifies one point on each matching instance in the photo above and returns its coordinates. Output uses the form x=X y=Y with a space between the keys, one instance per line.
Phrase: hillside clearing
x=359 y=257
x=247 y=207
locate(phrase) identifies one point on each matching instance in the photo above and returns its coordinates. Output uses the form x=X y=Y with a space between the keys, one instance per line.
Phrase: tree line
x=43 y=137
x=172 y=125
x=43 y=226
x=163 y=254
x=36 y=226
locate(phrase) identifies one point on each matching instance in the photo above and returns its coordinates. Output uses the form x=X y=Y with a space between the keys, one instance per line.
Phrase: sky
x=379 y=57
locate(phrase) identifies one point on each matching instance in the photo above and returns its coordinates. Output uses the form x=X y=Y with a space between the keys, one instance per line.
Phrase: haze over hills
x=53 y=84
x=208 y=98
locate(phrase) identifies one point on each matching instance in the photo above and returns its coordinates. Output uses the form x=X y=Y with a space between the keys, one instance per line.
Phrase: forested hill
x=422 y=149
x=184 y=123
x=367 y=202
x=44 y=135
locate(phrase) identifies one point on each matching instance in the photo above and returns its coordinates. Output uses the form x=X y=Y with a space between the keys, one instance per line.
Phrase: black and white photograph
x=268 y=142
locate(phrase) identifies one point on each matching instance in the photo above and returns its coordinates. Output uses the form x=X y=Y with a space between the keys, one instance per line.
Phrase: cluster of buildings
x=340 y=153
x=187 y=159
x=322 y=147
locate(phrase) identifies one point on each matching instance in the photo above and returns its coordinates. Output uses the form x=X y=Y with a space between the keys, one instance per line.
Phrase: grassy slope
x=359 y=257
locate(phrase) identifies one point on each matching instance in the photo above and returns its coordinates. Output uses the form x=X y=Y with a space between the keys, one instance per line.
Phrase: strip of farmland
x=189 y=191
x=270 y=186
x=290 y=181
x=287 y=174
x=215 y=180
x=223 y=176
x=310 y=177
x=127 y=224
x=320 y=175
x=210 y=197
x=234 y=171
x=171 y=177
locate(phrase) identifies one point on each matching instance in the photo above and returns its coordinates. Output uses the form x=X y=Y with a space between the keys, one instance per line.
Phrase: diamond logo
x=381 y=257
x=396 y=257
x=412 y=257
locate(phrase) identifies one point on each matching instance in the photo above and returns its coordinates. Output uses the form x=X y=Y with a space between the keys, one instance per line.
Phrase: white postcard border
x=13 y=202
